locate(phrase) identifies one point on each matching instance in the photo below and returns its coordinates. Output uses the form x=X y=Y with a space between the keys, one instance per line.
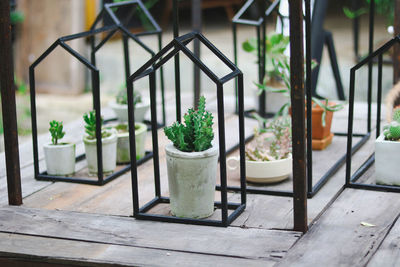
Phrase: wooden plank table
x=97 y=218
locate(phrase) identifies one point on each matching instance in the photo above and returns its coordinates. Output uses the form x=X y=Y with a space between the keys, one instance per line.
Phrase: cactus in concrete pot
x=387 y=147
x=60 y=157
x=192 y=161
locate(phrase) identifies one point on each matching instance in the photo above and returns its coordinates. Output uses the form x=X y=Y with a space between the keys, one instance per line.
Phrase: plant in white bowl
x=123 y=152
x=120 y=106
x=192 y=161
x=387 y=147
x=108 y=141
x=59 y=157
x=268 y=156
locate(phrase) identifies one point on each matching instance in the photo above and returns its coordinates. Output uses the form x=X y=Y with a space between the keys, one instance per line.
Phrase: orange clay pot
x=319 y=131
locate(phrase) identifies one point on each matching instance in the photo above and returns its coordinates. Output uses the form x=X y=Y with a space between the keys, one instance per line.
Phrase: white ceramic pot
x=60 y=159
x=264 y=171
x=121 y=110
x=191 y=178
x=123 y=151
x=109 y=150
x=387 y=167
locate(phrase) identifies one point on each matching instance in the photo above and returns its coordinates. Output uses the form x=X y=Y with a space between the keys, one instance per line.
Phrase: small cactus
x=392 y=131
x=396 y=115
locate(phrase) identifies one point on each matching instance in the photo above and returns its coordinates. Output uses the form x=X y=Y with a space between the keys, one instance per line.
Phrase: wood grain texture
x=41 y=251
x=338 y=238
x=388 y=254
x=231 y=241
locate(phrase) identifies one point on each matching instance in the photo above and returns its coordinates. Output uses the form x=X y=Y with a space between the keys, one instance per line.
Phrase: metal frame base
x=315 y=188
x=43 y=176
x=372 y=187
x=142 y=215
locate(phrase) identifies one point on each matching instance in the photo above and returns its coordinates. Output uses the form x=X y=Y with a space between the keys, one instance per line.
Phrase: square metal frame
x=312 y=189
x=149 y=69
x=351 y=179
x=110 y=30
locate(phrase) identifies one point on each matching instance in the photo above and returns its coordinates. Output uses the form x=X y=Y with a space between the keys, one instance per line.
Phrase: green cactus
x=396 y=115
x=196 y=132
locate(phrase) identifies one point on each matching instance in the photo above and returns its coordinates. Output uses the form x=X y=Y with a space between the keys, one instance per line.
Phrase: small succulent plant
x=122 y=97
x=196 y=133
x=392 y=131
x=56 y=131
x=90 y=127
x=273 y=142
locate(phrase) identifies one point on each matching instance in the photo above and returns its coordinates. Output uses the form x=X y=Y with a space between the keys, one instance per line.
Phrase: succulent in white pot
x=59 y=157
x=120 y=106
x=109 y=145
x=268 y=157
x=192 y=161
x=387 y=147
x=123 y=152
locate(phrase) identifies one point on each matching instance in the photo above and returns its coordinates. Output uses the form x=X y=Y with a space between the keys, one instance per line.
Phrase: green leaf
x=196 y=133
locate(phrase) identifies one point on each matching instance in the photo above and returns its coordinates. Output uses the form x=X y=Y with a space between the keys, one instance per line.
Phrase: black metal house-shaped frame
x=149 y=69
x=110 y=30
x=352 y=178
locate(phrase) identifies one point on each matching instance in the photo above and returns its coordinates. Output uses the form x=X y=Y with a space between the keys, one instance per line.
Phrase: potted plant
x=108 y=141
x=268 y=156
x=120 y=106
x=59 y=157
x=387 y=146
x=123 y=152
x=192 y=164
x=321 y=113
x=275 y=46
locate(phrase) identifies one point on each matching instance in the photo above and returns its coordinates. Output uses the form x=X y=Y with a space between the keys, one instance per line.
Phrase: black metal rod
x=162 y=83
x=242 y=140
x=356 y=29
x=235 y=60
x=298 y=124
x=309 y=96
x=222 y=153
x=175 y=11
x=153 y=107
x=370 y=50
x=32 y=91
x=334 y=64
x=196 y=26
x=97 y=108
x=379 y=97
x=350 y=126
x=132 y=147
x=127 y=65
x=9 y=108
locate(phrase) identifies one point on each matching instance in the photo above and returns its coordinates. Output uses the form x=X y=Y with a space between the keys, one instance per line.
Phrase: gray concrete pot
x=60 y=159
x=191 y=178
x=121 y=110
x=109 y=150
x=387 y=167
x=123 y=151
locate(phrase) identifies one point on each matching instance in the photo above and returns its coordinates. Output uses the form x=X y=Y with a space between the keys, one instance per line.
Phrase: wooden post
x=298 y=115
x=396 y=51
x=9 y=107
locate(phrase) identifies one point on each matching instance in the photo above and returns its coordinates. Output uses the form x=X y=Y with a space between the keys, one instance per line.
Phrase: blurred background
x=63 y=84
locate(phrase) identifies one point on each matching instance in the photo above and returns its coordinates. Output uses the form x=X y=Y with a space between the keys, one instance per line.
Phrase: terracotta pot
x=319 y=131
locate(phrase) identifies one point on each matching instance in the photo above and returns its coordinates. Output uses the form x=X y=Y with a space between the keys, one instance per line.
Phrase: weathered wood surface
x=388 y=253
x=268 y=212
x=41 y=250
x=339 y=239
x=265 y=245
